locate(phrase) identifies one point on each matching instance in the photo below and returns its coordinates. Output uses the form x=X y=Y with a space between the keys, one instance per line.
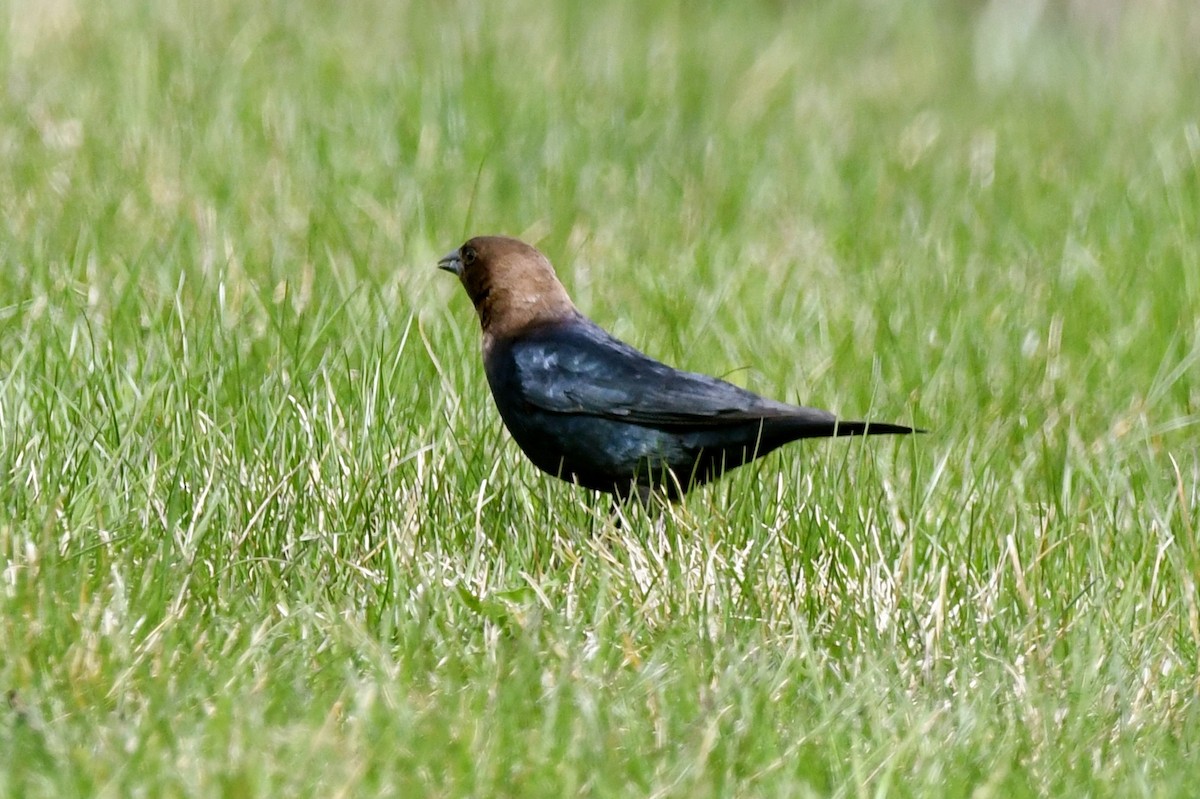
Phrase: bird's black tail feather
x=810 y=423
x=871 y=429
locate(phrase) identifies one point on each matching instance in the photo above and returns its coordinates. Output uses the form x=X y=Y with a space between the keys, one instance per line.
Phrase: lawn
x=261 y=531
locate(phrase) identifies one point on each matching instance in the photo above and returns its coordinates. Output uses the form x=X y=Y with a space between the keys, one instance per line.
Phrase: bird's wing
x=582 y=369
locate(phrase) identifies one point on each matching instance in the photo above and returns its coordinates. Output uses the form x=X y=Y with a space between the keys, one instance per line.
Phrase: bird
x=592 y=410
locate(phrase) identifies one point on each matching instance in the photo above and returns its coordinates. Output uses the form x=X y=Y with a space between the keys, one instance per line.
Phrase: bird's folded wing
x=587 y=371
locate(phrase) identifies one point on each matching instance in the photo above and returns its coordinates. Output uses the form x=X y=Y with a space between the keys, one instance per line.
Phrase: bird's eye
x=469 y=255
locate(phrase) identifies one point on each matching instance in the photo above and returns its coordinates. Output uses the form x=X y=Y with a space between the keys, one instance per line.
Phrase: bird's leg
x=626 y=497
x=618 y=504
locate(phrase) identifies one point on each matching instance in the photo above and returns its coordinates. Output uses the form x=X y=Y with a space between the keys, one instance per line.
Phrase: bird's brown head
x=512 y=285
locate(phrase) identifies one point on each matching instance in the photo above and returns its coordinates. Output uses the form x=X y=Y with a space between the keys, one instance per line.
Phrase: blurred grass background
x=262 y=534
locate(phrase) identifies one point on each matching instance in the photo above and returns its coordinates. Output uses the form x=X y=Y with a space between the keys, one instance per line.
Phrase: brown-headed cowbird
x=591 y=409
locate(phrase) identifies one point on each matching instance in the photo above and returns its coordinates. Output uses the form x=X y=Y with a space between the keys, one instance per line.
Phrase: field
x=261 y=531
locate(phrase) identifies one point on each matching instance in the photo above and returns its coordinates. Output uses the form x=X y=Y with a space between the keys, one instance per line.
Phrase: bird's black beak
x=451 y=262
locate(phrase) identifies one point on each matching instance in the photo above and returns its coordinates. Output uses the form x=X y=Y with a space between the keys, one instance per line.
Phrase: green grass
x=262 y=535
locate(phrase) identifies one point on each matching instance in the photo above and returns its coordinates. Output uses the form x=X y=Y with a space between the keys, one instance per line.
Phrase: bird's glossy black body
x=588 y=408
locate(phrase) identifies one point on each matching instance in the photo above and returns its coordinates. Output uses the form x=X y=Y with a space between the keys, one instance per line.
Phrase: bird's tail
x=841 y=428
x=813 y=423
